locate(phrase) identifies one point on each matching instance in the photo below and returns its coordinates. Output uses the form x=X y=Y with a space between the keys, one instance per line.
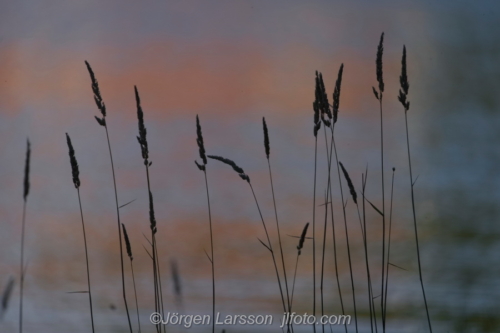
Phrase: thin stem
x=314 y=230
x=86 y=260
x=279 y=235
x=160 y=291
x=323 y=261
x=270 y=247
x=212 y=252
x=119 y=229
x=324 y=233
x=135 y=292
x=388 y=247
x=293 y=284
x=293 y=288
x=155 y=259
x=415 y=224
x=329 y=156
x=365 y=245
x=22 y=270
x=155 y=277
x=346 y=236
x=383 y=210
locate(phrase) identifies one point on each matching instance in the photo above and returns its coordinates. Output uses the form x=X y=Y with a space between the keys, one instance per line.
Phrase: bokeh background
x=233 y=62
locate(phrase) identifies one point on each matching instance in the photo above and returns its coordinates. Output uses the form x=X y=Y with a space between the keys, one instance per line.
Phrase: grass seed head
x=380 y=72
x=266 y=137
x=97 y=94
x=199 y=141
x=143 y=142
x=302 y=238
x=127 y=242
x=336 y=94
x=403 y=80
x=235 y=167
x=27 y=171
x=349 y=184
x=74 y=164
x=152 y=219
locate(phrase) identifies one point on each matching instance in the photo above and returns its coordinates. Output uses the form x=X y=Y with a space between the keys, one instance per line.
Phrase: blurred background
x=232 y=63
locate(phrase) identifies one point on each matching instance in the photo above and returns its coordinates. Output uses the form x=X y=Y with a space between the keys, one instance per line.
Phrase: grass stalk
x=403 y=94
x=269 y=245
x=129 y=253
x=86 y=260
x=119 y=229
x=346 y=233
x=267 y=149
x=373 y=319
x=76 y=181
x=322 y=300
x=334 y=237
x=102 y=121
x=334 y=117
x=211 y=251
x=299 y=251
x=388 y=246
x=379 y=95
x=160 y=290
x=135 y=294
x=314 y=229
x=203 y=167
x=143 y=142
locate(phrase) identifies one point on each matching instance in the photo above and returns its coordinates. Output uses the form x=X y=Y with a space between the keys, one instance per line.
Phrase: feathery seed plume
x=266 y=137
x=336 y=94
x=405 y=86
x=27 y=171
x=380 y=72
x=349 y=184
x=302 y=238
x=324 y=98
x=127 y=242
x=235 y=167
x=74 y=164
x=97 y=96
x=143 y=142
x=199 y=141
x=317 y=123
x=152 y=219
x=228 y=162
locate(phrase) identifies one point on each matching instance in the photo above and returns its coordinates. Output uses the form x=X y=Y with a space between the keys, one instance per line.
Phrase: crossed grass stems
x=325 y=114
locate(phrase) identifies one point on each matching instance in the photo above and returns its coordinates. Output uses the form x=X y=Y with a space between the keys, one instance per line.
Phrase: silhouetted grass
x=389 y=246
x=323 y=113
x=329 y=154
x=405 y=86
x=203 y=167
x=267 y=148
x=102 y=121
x=143 y=142
x=299 y=251
x=269 y=245
x=76 y=181
x=379 y=96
